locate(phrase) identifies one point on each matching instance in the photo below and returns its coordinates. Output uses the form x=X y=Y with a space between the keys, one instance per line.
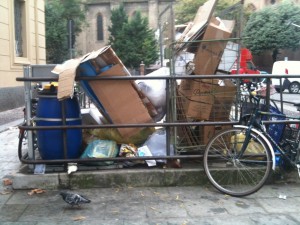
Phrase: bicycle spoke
x=232 y=170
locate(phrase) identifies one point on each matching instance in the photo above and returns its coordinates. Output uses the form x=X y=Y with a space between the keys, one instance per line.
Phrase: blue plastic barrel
x=50 y=142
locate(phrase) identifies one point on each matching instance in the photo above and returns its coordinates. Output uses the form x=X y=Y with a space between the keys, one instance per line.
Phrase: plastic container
x=50 y=142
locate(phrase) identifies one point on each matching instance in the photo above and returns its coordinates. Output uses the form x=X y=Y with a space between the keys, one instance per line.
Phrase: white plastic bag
x=157 y=144
x=155 y=90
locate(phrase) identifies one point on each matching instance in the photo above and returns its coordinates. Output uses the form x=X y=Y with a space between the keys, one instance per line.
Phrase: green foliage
x=185 y=10
x=132 y=39
x=269 y=29
x=56 y=39
x=118 y=19
x=224 y=4
x=57 y=14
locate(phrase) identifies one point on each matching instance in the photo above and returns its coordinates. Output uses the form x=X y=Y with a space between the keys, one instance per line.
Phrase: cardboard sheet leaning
x=119 y=98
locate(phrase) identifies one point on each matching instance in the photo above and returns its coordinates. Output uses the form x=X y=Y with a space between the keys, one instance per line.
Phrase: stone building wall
x=87 y=40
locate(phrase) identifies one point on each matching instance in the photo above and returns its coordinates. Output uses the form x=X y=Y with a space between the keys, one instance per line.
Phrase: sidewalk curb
x=112 y=178
x=6 y=126
x=156 y=177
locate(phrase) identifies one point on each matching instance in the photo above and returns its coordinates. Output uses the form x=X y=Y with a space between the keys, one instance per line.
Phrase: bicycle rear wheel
x=232 y=174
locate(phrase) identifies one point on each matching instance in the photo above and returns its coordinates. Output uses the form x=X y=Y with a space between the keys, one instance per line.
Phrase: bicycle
x=238 y=161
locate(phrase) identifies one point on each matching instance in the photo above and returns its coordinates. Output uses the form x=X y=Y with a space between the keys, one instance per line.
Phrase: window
x=20 y=28
x=99 y=28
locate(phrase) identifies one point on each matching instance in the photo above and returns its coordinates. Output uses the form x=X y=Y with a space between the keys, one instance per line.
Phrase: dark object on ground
x=74 y=199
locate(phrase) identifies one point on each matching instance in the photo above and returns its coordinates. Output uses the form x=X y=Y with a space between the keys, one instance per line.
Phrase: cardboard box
x=197 y=97
x=209 y=53
x=205 y=99
x=119 y=100
x=194 y=88
x=223 y=99
x=196 y=110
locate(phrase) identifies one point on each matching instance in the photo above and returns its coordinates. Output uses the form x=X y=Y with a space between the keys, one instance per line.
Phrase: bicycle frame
x=261 y=130
x=244 y=146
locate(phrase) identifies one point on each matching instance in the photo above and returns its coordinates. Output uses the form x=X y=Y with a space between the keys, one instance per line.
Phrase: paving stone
x=275 y=205
x=136 y=197
x=12 y=213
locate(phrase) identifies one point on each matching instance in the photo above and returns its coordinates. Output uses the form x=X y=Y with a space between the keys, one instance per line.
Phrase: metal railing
x=32 y=75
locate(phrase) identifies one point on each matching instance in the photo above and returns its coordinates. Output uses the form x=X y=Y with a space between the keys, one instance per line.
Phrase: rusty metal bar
x=171 y=124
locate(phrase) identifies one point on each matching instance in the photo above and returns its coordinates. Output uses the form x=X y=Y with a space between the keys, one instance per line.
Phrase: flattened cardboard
x=66 y=79
x=67 y=71
x=200 y=21
x=209 y=53
x=120 y=100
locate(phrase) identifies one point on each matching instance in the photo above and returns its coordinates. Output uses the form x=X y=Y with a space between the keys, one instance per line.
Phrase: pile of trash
x=200 y=50
x=116 y=102
x=126 y=101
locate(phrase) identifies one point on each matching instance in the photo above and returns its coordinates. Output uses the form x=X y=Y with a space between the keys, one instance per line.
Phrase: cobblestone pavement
x=9 y=121
x=8 y=152
x=185 y=205
x=11 y=115
x=274 y=204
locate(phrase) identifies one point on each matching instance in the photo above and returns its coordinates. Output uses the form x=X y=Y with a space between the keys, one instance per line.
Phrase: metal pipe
x=70 y=31
x=168 y=119
x=28 y=108
x=174 y=124
x=280 y=94
x=65 y=161
x=161 y=36
x=118 y=159
x=64 y=123
x=217 y=76
x=129 y=125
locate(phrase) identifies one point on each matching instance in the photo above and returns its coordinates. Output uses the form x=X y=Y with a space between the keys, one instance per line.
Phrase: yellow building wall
x=11 y=66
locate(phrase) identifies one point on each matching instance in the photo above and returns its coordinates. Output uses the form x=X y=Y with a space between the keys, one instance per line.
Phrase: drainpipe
x=37 y=43
x=160 y=35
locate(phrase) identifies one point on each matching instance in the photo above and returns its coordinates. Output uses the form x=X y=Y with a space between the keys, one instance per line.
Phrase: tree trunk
x=274 y=55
